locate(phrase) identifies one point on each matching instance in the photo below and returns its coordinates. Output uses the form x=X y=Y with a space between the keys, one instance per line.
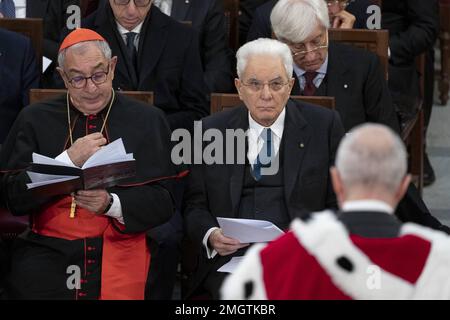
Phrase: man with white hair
x=362 y=253
x=302 y=140
x=325 y=68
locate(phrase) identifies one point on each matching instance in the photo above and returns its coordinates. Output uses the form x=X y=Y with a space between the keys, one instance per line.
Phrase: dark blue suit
x=18 y=74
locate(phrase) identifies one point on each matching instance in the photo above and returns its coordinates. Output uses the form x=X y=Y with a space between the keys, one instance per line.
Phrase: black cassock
x=39 y=268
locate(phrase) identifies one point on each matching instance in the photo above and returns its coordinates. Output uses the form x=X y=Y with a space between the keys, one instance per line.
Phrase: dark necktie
x=132 y=52
x=310 y=88
x=264 y=157
x=8 y=9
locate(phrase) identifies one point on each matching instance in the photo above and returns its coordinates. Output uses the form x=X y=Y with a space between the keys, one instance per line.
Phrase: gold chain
x=104 y=121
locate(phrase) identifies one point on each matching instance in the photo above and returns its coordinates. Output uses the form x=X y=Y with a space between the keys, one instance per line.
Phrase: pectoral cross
x=73 y=208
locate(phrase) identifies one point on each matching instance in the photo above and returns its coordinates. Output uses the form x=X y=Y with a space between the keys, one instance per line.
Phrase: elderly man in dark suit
x=303 y=139
x=18 y=74
x=155 y=53
x=324 y=68
x=343 y=14
x=208 y=18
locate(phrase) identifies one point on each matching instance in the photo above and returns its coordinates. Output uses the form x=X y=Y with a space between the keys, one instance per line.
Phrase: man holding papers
x=90 y=244
x=298 y=139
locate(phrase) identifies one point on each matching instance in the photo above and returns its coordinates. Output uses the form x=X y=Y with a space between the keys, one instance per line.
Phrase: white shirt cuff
x=210 y=253
x=64 y=157
x=116 y=209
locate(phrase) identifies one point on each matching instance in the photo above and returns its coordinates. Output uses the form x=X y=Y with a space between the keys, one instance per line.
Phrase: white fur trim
x=249 y=269
x=434 y=281
x=327 y=239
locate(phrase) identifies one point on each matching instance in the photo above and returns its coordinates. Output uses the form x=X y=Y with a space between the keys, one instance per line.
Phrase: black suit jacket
x=413 y=28
x=168 y=64
x=261 y=27
x=54 y=15
x=18 y=74
x=208 y=18
x=311 y=136
x=370 y=224
x=355 y=78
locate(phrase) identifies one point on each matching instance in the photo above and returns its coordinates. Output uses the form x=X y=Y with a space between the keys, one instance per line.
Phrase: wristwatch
x=111 y=200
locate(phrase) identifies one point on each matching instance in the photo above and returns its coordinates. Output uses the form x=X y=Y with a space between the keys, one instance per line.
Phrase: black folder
x=96 y=177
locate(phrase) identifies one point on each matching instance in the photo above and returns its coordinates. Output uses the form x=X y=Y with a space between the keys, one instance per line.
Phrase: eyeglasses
x=97 y=78
x=316 y=44
x=137 y=3
x=256 y=85
x=342 y=3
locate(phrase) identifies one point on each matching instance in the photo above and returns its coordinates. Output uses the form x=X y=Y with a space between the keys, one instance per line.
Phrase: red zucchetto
x=80 y=35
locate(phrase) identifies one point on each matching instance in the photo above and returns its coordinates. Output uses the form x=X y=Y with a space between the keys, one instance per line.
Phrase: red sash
x=125 y=257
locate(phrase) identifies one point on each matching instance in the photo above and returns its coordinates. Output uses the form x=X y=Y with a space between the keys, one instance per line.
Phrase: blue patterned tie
x=8 y=8
x=264 y=157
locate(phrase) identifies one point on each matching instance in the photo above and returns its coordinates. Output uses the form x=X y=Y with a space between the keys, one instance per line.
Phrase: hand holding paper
x=249 y=230
x=224 y=245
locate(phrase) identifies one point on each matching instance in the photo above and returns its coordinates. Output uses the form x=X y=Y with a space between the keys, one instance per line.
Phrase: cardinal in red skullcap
x=87 y=242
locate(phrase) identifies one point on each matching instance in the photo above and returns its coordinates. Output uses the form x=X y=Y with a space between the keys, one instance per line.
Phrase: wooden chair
x=37 y=95
x=32 y=28
x=221 y=101
x=444 y=41
x=231 y=8
x=376 y=41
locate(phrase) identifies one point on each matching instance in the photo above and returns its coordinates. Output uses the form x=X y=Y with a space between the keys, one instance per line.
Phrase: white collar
x=122 y=30
x=367 y=205
x=277 y=127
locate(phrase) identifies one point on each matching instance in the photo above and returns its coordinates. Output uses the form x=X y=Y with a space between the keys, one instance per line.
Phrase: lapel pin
x=301 y=145
x=345 y=86
x=186 y=1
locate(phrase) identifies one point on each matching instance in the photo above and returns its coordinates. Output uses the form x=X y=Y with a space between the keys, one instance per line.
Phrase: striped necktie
x=8 y=9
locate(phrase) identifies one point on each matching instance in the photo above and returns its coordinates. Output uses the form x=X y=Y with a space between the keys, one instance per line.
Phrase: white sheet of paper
x=41 y=159
x=231 y=265
x=249 y=230
x=46 y=62
x=111 y=153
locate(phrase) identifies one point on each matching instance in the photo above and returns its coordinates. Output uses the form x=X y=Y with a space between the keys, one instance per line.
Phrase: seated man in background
x=351 y=75
x=105 y=237
x=18 y=74
x=300 y=140
x=362 y=253
x=154 y=53
x=343 y=14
